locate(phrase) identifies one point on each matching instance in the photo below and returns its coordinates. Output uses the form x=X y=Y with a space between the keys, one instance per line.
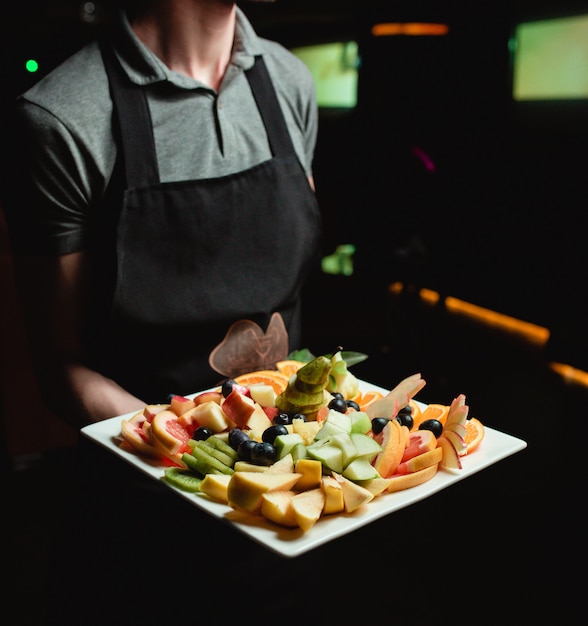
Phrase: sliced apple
x=354 y=495
x=276 y=506
x=458 y=411
x=208 y=396
x=181 y=404
x=258 y=422
x=208 y=414
x=397 y=398
x=376 y=485
x=457 y=427
x=238 y=408
x=312 y=472
x=308 y=507
x=215 y=486
x=246 y=488
x=450 y=460
x=263 y=394
x=151 y=410
x=285 y=465
x=134 y=435
x=457 y=440
x=334 y=502
x=246 y=466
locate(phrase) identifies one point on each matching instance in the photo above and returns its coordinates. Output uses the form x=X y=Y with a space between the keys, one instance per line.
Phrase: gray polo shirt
x=70 y=150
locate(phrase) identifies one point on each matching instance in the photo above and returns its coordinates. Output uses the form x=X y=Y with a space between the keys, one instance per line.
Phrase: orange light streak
x=409 y=28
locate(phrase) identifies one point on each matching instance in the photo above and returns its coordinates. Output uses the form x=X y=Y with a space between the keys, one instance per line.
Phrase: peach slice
x=406 y=481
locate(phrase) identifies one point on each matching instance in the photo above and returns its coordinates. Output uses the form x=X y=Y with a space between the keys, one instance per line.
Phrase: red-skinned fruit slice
x=169 y=433
x=421 y=461
x=450 y=460
x=134 y=434
x=419 y=441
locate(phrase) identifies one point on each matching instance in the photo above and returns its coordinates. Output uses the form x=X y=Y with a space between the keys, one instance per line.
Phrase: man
x=166 y=221
x=163 y=224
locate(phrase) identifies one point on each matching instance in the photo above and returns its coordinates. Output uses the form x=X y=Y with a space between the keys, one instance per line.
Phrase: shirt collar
x=144 y=68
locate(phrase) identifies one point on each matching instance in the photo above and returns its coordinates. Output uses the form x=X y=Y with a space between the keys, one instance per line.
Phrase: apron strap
x=132 y=114
x=269 y=108
x=136 y=129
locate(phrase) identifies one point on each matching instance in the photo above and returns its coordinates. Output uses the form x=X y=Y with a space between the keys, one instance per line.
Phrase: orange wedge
x=289 y=366
x=365 y=398
x=430 y=412
x=276 y=379
x=474 y=433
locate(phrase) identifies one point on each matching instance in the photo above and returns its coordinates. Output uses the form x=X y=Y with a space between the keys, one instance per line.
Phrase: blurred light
x=88 y=12
x=340 y=262
x=569 y=373
x=409 y=28
x=31 y=66
x=531 y=332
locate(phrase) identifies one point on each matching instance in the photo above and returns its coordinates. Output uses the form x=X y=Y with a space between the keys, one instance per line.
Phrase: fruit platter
x=303 y=454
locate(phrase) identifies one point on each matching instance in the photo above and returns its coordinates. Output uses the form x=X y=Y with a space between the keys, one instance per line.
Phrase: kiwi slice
x=182 y=479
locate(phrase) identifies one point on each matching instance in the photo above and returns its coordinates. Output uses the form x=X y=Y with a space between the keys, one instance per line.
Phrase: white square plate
x=495 y=447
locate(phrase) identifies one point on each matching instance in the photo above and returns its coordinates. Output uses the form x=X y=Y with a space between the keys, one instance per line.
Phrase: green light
x=31 y=66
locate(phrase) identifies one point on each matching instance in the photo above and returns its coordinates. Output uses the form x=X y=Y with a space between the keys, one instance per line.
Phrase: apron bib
x=206 y=279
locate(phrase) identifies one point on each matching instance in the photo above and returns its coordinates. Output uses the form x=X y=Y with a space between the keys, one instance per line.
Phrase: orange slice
x=289 y=366
x=431 y=412
x=276 y=379
x=474 y=433
x=365 y=398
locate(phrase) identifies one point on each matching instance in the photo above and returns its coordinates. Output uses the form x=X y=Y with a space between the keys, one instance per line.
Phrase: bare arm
x=52 y=296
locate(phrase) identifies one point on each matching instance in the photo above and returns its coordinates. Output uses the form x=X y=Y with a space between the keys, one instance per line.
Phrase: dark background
x=502 y=221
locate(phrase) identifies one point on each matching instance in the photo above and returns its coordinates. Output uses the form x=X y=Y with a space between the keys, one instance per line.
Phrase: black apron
x=206 y=277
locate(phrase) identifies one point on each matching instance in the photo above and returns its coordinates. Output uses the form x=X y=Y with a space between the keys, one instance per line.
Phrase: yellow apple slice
x=215 y=486
x=276 y=506
x=376 y=485
x=334 y=502
x=354 y=495
x=308 y=507
x=312 y=472
x=285 y=465
x=246 y=488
